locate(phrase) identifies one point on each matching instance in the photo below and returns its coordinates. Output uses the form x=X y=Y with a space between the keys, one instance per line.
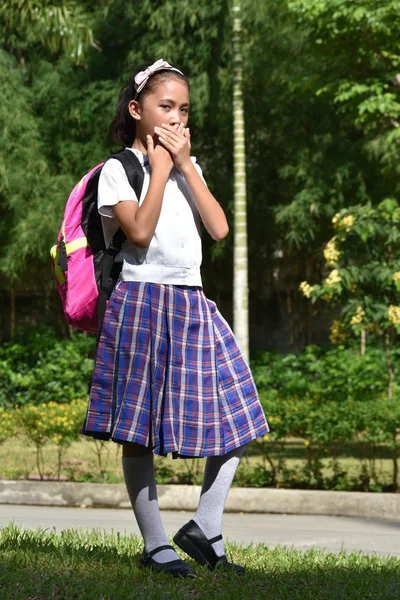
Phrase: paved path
x=303 y=532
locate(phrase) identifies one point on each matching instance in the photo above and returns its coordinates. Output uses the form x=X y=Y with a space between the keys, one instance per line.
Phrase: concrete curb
x=185 y=497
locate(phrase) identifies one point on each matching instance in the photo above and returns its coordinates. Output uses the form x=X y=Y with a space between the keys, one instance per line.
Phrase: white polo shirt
x=174 y=254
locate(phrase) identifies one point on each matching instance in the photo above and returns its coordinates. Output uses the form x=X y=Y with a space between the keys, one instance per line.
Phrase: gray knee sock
x=218 y=476
x=141 y=485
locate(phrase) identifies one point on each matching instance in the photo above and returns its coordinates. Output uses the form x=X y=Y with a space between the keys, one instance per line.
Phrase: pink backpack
x=85 y=270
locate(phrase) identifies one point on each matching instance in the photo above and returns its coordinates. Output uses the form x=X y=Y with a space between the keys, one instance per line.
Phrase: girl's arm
x=177 y=142
x=210 y=210
x=139 y=222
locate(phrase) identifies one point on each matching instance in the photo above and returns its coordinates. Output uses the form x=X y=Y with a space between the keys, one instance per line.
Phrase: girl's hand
x=159 y=157
x=175 y=139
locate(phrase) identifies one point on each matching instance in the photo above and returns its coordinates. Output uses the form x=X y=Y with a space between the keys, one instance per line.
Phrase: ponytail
x=123 y=126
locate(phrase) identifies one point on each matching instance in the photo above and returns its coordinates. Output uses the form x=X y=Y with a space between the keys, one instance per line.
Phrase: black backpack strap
x=110 y=271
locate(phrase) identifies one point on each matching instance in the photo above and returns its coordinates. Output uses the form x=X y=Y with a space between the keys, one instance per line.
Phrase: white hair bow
x=143 y=76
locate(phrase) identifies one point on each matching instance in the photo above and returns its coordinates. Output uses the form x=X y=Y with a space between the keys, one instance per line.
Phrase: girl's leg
x=137 y=463
x=218 y=475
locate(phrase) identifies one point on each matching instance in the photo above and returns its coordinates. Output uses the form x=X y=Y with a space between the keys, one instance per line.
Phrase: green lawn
x=38 y=565
x=80 y=462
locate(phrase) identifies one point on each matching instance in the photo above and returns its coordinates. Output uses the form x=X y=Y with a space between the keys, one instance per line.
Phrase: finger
x=167 y=145
x=173 y=130
x=173 y=146
x=168 y=133
x=187 y=136
x=178 y=142
x=150 y=144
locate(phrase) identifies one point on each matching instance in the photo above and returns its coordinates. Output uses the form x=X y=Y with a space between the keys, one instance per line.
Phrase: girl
x=169 y=376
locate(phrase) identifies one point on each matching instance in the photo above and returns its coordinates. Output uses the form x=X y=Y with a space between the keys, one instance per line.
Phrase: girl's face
x=169 y=104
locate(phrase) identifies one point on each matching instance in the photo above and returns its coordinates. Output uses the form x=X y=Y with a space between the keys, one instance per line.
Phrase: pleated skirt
x=169 y=375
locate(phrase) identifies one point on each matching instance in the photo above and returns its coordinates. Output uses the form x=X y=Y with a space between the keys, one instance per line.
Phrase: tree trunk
x=363 y=342
x=389 y=365
x=395 y=454
x=240 y=284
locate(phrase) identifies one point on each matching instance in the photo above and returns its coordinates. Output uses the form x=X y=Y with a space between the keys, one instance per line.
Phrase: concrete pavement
x=185 y=497
x=295 y=531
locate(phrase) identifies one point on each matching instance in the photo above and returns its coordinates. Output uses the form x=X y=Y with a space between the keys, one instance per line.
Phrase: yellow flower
x=394 y=314
x=338 y=335
x=333 y=278
x=306 y=289
x=345 y=222
x=358 y=317
x=335 y=219
x=396 y=276
x=331 y=253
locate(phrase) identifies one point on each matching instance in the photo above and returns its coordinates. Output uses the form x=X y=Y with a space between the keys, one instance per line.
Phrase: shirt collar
x=144 y=161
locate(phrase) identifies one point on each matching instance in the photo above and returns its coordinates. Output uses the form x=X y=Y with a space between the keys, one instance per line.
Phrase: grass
x=77 y=565
x=80 y=463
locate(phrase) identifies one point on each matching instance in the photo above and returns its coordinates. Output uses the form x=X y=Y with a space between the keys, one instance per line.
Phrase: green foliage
x=28 y=187
x=329 y=398
x=365 y=279
x=346 y=69
x=58 y=26
x=321 y=135
x=362 y=40
x=8 y=424
x=44 y=369
x=58 y=423
x=259 y=477
x=329 y=374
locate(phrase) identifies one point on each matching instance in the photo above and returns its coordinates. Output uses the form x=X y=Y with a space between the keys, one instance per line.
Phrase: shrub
x=58 y=423
x=43 y=369
x=328 y=373
x=8 y=424
x=329 y=398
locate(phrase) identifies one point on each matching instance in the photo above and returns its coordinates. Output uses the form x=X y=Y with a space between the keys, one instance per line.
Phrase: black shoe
x=177 y=568
x=192 y=540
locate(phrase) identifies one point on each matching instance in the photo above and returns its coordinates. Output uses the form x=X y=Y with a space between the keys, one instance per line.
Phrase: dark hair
x=123 y=126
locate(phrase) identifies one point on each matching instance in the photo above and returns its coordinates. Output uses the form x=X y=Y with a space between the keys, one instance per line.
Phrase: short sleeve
x=113 y=187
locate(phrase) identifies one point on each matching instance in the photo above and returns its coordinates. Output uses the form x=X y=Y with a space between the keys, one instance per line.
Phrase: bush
x=8 y=424
x=329 y=373
x=45 y=369
x=57 y=423
x=329 y=398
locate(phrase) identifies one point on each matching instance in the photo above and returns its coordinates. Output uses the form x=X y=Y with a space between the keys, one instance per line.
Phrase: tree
x=58 y=26
x=307 y=156
x=363 y=273
x=240 y=285
x=362 y=75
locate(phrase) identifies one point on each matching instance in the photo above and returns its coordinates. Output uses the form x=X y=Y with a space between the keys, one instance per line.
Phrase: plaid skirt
x=169 y=375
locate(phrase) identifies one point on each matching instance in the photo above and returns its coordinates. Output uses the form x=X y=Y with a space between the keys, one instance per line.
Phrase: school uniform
x=168 y=372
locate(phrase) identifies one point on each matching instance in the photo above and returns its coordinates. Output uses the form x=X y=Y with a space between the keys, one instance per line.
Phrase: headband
x=143 y=76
